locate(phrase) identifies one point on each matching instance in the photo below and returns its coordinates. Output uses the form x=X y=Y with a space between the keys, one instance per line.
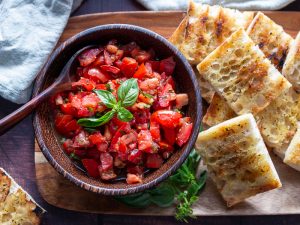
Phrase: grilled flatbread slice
x=218 y=111
x=240 y=73
x=178 y=35
x=206 y=28
x=271 y=39
x=278 y=122
x=292 y=154
x=207 y=91
x=291 y=67
x=237 y=159
x=16 y=205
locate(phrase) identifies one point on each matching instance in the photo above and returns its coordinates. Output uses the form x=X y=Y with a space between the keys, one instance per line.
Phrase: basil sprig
x=181 y=189
x=127 y=96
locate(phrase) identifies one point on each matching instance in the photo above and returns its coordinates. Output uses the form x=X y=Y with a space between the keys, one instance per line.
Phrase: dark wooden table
x=17 y=148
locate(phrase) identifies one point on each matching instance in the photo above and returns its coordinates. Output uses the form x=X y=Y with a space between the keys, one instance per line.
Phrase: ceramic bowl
x=49 y=140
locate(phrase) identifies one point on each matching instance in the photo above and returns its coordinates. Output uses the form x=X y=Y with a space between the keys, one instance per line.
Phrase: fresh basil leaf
x=128 y=92
x=147 y=95
x=96 y=122
x=124 y=115
x=163 y=195
x=107 y=98
x=139 y=200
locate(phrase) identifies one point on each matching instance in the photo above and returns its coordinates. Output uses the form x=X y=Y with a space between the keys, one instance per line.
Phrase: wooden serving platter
x=59 y=192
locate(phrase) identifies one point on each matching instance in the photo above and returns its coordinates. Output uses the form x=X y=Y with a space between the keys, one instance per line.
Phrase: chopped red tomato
x=133 y=179
x=88 y=56
x=111 y=69
x=170 y=135
x=106 y=161
x=87 y=84
x=91 y=167
x=129 y=66
x=167 y=65
x=184 y=133
x=145 y=142
x=154 y=161
x=167 y=118
x=141 y=72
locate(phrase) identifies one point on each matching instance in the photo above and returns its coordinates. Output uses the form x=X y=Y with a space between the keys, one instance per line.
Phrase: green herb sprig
x=182 y=188
x=127 y=95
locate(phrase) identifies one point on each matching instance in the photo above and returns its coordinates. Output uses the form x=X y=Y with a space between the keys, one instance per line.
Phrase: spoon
x=62 y=83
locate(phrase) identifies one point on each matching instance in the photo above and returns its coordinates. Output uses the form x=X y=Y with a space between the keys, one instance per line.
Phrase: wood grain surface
x=59 y=192
x=17 y=157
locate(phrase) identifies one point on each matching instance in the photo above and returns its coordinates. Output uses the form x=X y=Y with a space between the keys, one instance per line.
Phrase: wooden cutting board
x=59 y=192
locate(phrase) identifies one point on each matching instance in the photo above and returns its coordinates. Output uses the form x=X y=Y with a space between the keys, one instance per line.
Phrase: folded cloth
x=159 y=5
x=29 y=30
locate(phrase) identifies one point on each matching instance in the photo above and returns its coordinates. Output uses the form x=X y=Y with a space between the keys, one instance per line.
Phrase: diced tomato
x=85 y=112
x=170 y=135
x=167 y=118
x=155 y=65
x=149 y=85
x=99 y=61
x=102 y=147
x=81 y=153
x=100 y=87
x=97 y=75
x=129 y=66
x=123 y=129
x=141 y=72
x=107 y=58
x=145 y=142
x=128 y=48
x=146 y=98
x=154 y=161
x=111 y=69
x=91 y=166
x=71 y=128
x=135 y=156
x=181 y=100
x=97 y=138
x=166 y=95
x=88 y=56
x=93 y=153
x=167 y=65
x=107 y=175
x=139 y=170
x=68 y=109
x=119 y=54
x=142 y=56
x=68 y=146
x=133 y=179
x=184 y=133
x=165 y=147
x=154 y=129
x=87 y=84
x=81 y=140
x=106 y=161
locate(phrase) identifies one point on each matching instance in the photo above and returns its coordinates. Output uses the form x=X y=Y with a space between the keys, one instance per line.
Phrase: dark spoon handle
x=15 y=117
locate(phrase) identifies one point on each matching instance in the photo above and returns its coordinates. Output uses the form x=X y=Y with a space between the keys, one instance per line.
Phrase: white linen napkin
x=160 y=5
x=29 y=30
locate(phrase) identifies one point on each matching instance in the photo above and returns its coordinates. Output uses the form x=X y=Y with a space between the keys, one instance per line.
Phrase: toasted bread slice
x=237 y=159
x=218 y=111
x=206 y=28
x=206 y=90
x=178 y=35
x=278 y=122
x=291 y=67
x=240 y=73
x=271 y=39
x=292 y=154
x=16 y=205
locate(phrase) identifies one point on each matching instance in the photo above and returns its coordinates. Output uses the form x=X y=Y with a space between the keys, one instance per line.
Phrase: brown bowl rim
x=38 y=84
